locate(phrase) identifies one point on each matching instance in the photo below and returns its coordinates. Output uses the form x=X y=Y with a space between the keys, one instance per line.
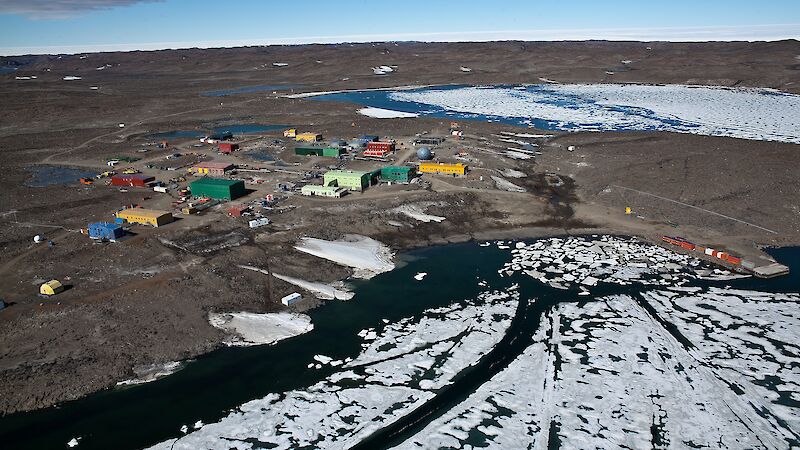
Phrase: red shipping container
x=734 y=260
x=131 y=180
x=237 y=210
x=227 y=147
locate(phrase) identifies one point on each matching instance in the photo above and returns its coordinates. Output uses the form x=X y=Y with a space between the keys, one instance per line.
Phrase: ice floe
x=399 y=369
x=572 y=261
x=366 y=256
x=152 y=372
x=245 y=328
x=609 y=375
x=380 y=113
x=748 y=113
x=420 y=276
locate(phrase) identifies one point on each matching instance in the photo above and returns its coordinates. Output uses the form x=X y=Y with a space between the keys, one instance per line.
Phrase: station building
x=217 y=188
x=347 y=179
x=442 y=168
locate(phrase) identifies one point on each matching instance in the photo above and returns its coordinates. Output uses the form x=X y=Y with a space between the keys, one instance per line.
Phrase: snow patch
x=366 y=255
x=380 y=113
x=246 y=329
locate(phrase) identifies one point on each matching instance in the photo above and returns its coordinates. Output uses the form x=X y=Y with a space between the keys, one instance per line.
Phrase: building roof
x=215 y=182
x=142 y=212
x=134 y=176
x=55 y=284
x=354 y=173
x=214 y=165
x=317 y=187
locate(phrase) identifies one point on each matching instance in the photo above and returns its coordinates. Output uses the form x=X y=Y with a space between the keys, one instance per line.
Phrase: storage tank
x=424 y=154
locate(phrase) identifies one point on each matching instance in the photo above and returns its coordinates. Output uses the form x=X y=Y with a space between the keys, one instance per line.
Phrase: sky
x=78 y=26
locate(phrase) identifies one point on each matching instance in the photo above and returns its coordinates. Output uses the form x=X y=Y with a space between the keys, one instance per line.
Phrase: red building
x=228 y=147
x=385 y=146
x=131 y=180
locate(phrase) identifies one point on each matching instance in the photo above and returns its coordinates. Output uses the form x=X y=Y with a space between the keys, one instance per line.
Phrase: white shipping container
x=160 y=189
x=255 y=223
x=709 y=251
x=291 y=299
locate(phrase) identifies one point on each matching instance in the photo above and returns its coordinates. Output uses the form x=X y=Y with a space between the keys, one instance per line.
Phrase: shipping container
x=291 y=299
x=228 y=147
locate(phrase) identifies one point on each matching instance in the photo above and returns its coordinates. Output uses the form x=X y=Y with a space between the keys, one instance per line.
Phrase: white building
x=291 y=299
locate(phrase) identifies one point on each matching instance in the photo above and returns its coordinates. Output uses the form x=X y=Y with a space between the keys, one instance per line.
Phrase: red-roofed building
x=131 y=180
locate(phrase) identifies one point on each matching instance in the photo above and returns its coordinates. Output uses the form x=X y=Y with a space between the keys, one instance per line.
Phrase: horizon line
x=750 y=33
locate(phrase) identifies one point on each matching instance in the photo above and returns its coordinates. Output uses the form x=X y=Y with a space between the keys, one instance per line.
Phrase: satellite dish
x=37 y=239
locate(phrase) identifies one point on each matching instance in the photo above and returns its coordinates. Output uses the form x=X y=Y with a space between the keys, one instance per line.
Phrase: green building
x=348 y=179
x=217 y=188
x=401 y=174
x=331 y=152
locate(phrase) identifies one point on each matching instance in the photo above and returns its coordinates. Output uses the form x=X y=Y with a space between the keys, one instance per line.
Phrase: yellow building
x=291 y=132
x=145 y=216
x=308 y=137
x=52 y=287
x=432 y=167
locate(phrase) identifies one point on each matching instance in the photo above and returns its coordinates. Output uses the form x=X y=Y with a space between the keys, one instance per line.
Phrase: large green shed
x=348 y=179
x=402 y=174
x=217 y=188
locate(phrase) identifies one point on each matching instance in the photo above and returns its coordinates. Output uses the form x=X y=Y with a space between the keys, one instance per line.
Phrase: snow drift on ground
x=748 y=113
x=247 y=328
x=366 y=255
x=380 y=113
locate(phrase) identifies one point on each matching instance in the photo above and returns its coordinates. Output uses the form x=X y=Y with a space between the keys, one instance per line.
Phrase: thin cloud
x=60 y=9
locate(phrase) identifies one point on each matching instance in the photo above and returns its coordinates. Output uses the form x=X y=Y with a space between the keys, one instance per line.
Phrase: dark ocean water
x=208 y=387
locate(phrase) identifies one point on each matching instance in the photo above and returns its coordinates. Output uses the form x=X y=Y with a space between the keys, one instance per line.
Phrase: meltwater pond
x=748 y=113
x=42 y=176
x=586 y=341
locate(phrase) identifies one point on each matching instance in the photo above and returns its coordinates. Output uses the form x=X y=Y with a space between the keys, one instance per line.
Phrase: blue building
x=105 y=230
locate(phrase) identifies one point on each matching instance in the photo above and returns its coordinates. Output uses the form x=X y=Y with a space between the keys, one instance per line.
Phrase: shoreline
x=519 y=234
